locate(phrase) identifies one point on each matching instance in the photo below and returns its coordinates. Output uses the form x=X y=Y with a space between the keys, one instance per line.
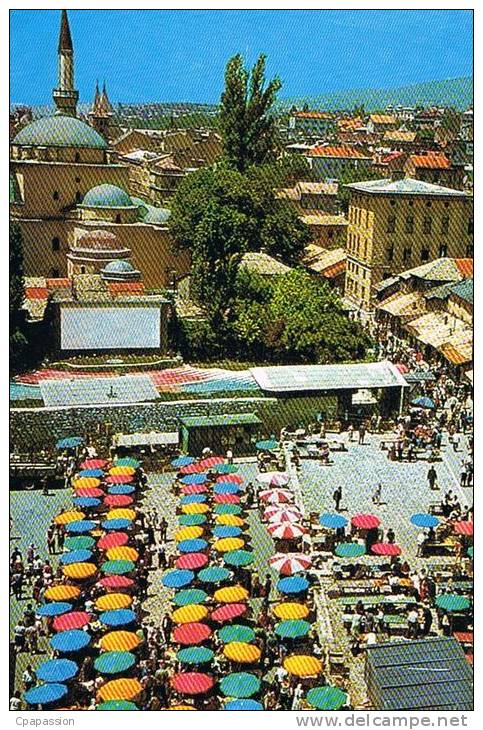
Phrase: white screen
x=109 y=328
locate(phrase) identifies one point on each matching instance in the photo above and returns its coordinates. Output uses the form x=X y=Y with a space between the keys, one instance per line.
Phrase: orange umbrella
x=239 y=651
x=119 y=641
x=302 y=665
x=89 y=482
x=120 y=689
x=189 y=614
x=113 y=601
x=231 y=594
x=123 y=552
x=62 y=593
x=79 y=571
x=70 y=516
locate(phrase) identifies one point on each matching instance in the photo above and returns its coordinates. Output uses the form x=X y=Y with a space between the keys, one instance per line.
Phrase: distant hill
x=451 y=92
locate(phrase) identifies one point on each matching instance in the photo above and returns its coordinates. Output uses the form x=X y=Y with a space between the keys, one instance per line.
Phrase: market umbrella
x=230 y=478
x=242 y=653
x=294 y=584
x=177 y=578
x=189 y=597
x=79 y=571
x=240 y=685
x=194 y=479
x=403 y=369
x=75 y=556
x=127 y=461
x=113 y=539
x=191 y=561
x=183 y=708
x=70 y=641
x=423 y=402
x=231 y=594
x=71 y=442
x=90 y=492
x=276 y=496
x=243 y=705
x=220 y=500
x=191 y=634
x=226 y=468
x=118 y=500
x=97 y=473
x=236 y=632
x=274 y=478
x=464 y=527
x=452 y=602
x=113 y=601
x=226 y=508
x=290 y=611
x=81 y=542
x=333 y=520
x=424 y=519
x=122 y=513
x=228 y=612
x=188 y=533
x=192 y=546
x=226 y=531
x=53 y=609
x=86 y=502
x=120 y=689
x=93 y=464
x=112 y=705
x=86 y=483
x=122 y=470
x=213 y=574
x=69 y=516
x=191 y=469
x=290 y=563
x=62 y=593
x=45 y=694
x=286 y=530
x=192 y=683
x=80 y=526
x=386 y=548
x=189 y=614
x=188 y=520
x=211 y=461
x=226 y=544
x=230 y=520
x=267 y=445
x=365 y=522
x=114 y=662
x=71 y=620
x=122 y=552
x=302 y=665
x=350 y=550
x=193 y=499
x=326 y=698
x=195 y=655
x=118 y=567
x=119 y=641
x=117 y=524
x=238 y=558
x=292 y=628
x=56 y=670
x=121 y=489
x=119 y=479
x=189 y=489
x=226 y=488
x=195 y=509
x=282 y=514
x=182 y=461
x=118 y=617
x=116 y=581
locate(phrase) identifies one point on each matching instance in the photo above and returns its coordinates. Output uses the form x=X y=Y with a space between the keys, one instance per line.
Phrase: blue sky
x=180 y=55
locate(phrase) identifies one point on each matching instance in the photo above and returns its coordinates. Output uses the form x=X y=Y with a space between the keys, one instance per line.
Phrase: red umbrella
x=226 y=498
x=365 y=522
x=93 y=464
x=118 y=500
x=386 y=548
x=463 y=528
x=192 y=633
x=228 y=612
x=233 y=478
x=194 y=488
x=113 y=539
x=192 y=683
x=403 y=369
x=211 y=461
x=116 y=581
x=191 y=469
x=72 y=620
x=286 y=530
x=191 y=561
x=119 y=479
x=89 y=492
x=276 y=496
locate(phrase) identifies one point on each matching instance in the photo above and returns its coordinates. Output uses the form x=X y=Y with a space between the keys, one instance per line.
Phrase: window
x=55 y=273
x=428 y=204
x=55 y=195
x=445 y=224
x=330 y=235
x=83 y=269
x=424 y=254
x=407 y=254
x=391 y=224
x=469 y=251
x=77 y=157
x=470 y=227
x=409 y=225
x=443 y=250
x=118 y=218
x=390 y=253
x=427 y=225
x=55 y=244
x=393 y=202
x=78 y=197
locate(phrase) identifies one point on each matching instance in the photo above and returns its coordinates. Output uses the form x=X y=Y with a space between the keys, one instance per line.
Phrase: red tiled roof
x=465 y=267
x=339 y=151
x=125 y=287
x=313 y=115
x=332 y=271
x=432 y=160
x=36 y=292
x=392 y=156
x=58 y=283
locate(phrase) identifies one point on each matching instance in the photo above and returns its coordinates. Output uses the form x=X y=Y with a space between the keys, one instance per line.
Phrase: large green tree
x=18 y=343
x=246 y=121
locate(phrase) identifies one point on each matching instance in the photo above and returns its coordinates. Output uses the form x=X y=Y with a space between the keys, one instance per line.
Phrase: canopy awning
x=403 y=305
x=233 y=419
x=153 y=438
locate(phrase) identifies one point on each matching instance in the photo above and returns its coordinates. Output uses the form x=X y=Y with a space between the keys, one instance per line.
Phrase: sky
x=180 y=55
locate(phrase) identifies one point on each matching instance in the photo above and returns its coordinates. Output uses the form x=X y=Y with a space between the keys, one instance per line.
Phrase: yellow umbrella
x=302 y=665
x=228 y=543
x=290 y=611
x=181 y=707
x=70 y=516
x=79 y=571
x=121 y=514
x=231 y=594
x=232 y=520
x=112 y=601
x=188 y=533
x=195 y=509
x=189 y=614
x=119 y=641
x=122 y=552
x=86 y=482
x=62 y=593
x=239 y=651
x=124 y=471
x=120 y=689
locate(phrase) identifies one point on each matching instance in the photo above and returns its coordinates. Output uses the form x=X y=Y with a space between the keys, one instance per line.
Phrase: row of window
x=425 y=252
x=356 y=289
x=427 y=225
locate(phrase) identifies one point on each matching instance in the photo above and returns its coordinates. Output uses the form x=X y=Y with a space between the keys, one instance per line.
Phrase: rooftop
x=343 y=151
x=313 y=115
x=262 y=263
x=107 y=196
x=441 y=270
x=405 y=186
x=463 y=290
x=431 y=160
x=235 y=419
x=398 y=135
x=383 y=119
x=59 y=131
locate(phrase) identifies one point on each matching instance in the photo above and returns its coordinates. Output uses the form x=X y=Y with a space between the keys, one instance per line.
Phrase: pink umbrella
x=403 y=369
x=365 y=522
x=191 y=561
x=116 y=582
x=89 y=492
x=119 y=479
x=211 y=461
x=276 y=496
x=226 y=498
x=192 y=683
x=93 y=464
x=228 y=612
x=233 y=478
x=386 y=548
x=286 y=530
x=118 y=500
x=463 y=528
x=290 y=563
x=191 y=469
x=71 y=620
x=274 y=478
x=278 y=513
x=194 y=488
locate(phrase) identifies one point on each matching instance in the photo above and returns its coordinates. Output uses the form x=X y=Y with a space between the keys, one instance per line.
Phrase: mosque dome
x=107 y=196
x=59 y=131
x=120 y=270
x=150 y=213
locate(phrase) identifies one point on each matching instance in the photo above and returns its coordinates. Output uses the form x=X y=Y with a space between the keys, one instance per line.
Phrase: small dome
x=59 y=131
x=119 y=267
x=97 y=241
x=149 y=213
x=107 y=196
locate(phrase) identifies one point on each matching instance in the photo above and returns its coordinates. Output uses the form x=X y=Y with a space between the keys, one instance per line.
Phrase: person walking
x=432 y=477
x=337 y=497
x=376 y=497
x=362 y=433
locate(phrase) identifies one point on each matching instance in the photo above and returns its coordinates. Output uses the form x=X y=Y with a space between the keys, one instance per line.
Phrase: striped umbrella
x=286 y=530
x=276 y=496
x=290 y=563
x=282 y=514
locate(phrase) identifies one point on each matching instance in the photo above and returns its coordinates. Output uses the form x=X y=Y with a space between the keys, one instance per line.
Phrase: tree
x=16 y=286
x=451 y=122
x=246 y=123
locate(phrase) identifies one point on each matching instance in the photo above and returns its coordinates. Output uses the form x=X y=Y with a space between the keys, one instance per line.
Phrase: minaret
x=101 y=112
x=65 y=96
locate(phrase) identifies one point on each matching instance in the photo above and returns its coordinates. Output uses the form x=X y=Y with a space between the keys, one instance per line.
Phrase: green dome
x=150 y=213
x=59 y=131
x=107 y=196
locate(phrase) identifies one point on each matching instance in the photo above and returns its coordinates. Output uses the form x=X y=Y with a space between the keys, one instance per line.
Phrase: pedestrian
x=162 y=556
x=229 y=456
x=362 y=433
x=413 y=624
x=390 y=536
x=432 y=477
x=463 y=474
x=350 y=431
x=421 y=539
x=376 y=497
x=163 y=528
x=337 y=497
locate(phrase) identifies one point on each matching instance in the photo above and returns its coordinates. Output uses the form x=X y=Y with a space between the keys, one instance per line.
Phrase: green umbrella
x=292 y=629
x=189 y=597
x=117 y=705
x=240 y=684
x=214 y=574
x=192 y=520
x=326 y=698
x=236 y=632
x=118 y=567
x=452 y=602
x=195 y=655
x=81 y=542
x=227 y=469
x=239 y=558
x=227 y=509
x=113 y=662
x=350 y=550
x=127 y=461
x=267 y=445
x=471 y=552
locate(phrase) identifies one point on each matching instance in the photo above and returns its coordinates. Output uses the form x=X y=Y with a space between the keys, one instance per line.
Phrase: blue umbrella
x=193 y=499
x=243 y=705
x=91 y=473
x=70 y=443
x=86 y=501
x=294 y=584
x=333 y=520
x=226 y=531
x=194 y=479
x=57 y=608
x=81 y=526
x=118 y=617
x=44 y=694
x=423 y=402
x=117 y=524
x=76 y=556
x=57 y=670
x=226 y=488
x=424 y=519
x=121 y=489
x=267 y=445
x=177 y=578
x=72 y=640
x=182 y=461
x=192 y=546
x=214 y=574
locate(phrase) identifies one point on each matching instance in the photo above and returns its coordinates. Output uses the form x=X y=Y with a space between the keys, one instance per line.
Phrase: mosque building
x=65 y=182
